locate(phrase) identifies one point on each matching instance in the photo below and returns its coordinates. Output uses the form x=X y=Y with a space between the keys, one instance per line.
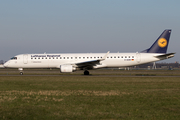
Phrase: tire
x=86 y=72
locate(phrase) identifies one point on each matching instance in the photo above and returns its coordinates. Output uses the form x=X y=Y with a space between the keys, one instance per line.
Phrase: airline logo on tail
x=162 y=42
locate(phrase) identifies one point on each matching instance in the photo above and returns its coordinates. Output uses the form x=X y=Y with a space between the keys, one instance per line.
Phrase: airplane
x=71 y=62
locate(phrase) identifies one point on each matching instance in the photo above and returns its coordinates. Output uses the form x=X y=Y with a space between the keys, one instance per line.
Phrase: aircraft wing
x=91 y=62
x=87 y=63
x=169 y=55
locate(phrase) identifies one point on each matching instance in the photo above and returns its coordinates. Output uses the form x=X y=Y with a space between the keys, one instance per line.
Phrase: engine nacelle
x=67 y=68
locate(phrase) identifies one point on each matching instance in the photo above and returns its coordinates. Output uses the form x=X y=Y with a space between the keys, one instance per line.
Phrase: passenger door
x=25 y=58
x=138 y=57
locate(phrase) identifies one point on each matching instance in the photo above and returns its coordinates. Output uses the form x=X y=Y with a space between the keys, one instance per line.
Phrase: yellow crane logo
x=162 y=42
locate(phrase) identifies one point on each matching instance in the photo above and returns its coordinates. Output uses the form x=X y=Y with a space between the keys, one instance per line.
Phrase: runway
x=86 y=76
x=93 y=73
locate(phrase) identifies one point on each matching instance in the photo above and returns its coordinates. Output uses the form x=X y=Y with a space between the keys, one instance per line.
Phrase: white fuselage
x=81 y=61
x=56 y=60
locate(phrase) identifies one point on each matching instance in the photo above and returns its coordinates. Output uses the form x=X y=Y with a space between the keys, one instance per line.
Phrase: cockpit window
x=14 y=58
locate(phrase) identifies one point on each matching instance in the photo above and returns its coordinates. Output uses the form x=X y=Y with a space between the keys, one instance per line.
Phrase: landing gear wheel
x=86 y=72
x=21 y=73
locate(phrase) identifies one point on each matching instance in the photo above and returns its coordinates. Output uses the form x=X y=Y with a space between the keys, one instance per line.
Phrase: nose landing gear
x=20 y=71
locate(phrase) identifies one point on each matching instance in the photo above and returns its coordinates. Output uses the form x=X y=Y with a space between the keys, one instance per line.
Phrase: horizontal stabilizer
x=166 y=56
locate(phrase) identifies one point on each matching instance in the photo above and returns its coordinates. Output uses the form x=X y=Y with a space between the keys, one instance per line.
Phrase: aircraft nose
x=6 y=64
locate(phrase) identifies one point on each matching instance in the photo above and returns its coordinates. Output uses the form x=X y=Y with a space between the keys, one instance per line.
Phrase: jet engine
x=67 y=68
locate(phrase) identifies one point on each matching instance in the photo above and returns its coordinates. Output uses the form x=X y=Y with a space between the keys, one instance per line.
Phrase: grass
x=89 y=97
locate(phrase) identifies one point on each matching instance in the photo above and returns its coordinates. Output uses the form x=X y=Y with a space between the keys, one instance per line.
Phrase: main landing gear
x=86 y=72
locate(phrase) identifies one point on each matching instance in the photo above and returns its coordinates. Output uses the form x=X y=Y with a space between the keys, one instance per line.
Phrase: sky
x=86 y=26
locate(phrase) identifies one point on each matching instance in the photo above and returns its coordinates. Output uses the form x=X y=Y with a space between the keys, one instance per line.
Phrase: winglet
x=105 y=55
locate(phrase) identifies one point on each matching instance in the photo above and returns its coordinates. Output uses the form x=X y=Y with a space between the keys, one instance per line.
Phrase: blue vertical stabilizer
x=161 y=44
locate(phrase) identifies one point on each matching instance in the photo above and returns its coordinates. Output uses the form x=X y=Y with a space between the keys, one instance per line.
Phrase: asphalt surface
x=89 y=75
